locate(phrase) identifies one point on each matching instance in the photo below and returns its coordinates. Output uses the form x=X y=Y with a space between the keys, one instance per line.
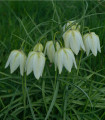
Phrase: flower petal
x=29 y=63
x=60 y=60
x=15 y=62
x=22 y=63
x=38 y=64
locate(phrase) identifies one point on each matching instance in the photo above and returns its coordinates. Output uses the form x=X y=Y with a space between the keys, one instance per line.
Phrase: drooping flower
x=73 y=40
x=64 y=57
x=38 y=47
x=35 y=62
x=50 y=50
x=92 y=42
x=73 y=25
x=16 y=59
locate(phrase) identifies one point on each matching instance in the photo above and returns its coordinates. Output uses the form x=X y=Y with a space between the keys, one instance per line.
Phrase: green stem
x=2 y=102
x=24 y=94
x=65 y=98
x=22 y=44
x=88 y=29
x=65 y=102
x=55 y=78
x=41 y=38
x=60 y=43
x=43 y=94
x=55 y=35
x=79 y=63
x=53 y=101
x=87 y=102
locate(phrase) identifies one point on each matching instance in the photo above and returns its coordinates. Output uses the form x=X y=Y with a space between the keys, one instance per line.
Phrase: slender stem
x=79 y=63
x=65 y=101
x=25 y=81
x=41 y=38
x=24 y=94
x=54 y=41
x=2 y=102
x=55 y=78
x=54 y=97
x=23 y=90
x=89 y=95
x=43 y=94
x=88 y=29
x=22 y=44
x=55 y=35
x=23 y=85
x=53 y=101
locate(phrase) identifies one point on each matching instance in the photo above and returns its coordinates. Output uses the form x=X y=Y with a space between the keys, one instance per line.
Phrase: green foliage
x=79 y=95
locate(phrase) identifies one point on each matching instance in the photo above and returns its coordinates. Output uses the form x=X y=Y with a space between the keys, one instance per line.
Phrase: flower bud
x=50 y=50
x=71 y=25
x=38 y=47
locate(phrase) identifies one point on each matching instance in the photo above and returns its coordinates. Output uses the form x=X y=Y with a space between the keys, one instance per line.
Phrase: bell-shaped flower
x=35 y=62
x=73 y=40
x=50 y=51
x=16 y=59
x=38 y=47
x=64 y=57
x=73 y=25
x=91 y=42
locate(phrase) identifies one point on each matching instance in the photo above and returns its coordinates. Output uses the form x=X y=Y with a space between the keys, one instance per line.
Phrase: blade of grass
x=30 y=104
x=53 y=101
x=10 y=104
x=43 y=94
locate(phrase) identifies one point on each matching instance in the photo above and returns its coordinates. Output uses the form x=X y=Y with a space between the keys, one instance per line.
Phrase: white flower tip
x=11 y=71
x=60 y=72
x=37 y=77
x=87 y=53
x=27 y=73
x=84 y=49
x=76 y=66
x=95 y=54
x=6 y=66
x=21 y=74
x=7 y=63
x=76 y=53
x=69 y=71
x=100 y=50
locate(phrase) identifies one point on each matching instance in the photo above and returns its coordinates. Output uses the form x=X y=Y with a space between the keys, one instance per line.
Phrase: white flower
x=35 y=62
x=64 y=57
x=50 y=51
x=73 y=40
x=57 y=46
x=92 y=42
x=16 y=58
x=71 y=25
x=38 y=47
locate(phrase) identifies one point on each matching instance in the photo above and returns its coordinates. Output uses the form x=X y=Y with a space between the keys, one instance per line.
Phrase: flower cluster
x=57 y=54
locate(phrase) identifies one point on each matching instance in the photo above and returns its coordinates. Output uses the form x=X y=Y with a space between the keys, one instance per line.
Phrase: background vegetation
x=79 y=95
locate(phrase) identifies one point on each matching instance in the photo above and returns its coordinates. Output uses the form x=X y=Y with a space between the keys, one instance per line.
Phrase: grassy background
x=69 y=96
